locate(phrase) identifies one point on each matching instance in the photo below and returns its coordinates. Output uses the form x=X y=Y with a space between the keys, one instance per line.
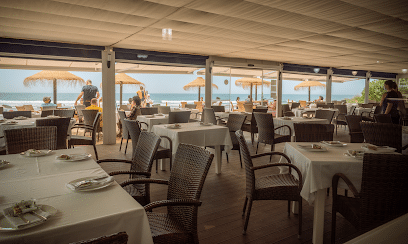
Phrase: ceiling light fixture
x=316 y=70
x=354 y=72
x=167 y=34
x=404 y=71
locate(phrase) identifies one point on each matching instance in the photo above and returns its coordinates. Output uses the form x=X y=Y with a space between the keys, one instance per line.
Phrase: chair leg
x=127 y=141
x=247 y=216
x=157 y=163
x=336 y=129
x=333 y=225
x=257 y=144
x=300 y=217
x=96 y=153
x=345 y=192
x=245 y=204
x=120 y=147
x=240 y=160
x=227 y=157
x=252 y=138
x=288 y=208
x=328 y=191
x=171 y=161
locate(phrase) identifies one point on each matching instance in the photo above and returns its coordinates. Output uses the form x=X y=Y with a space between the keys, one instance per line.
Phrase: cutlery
x=93 y=180
x=39 y=216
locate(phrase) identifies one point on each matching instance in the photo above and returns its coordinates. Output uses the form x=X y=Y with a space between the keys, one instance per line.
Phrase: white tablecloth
x=284 y=131
x=225 y=115
x=299 y=112
x=359 y=111
x=81 y=215
x=196 y=134
x=151 y=121
x=193 y=114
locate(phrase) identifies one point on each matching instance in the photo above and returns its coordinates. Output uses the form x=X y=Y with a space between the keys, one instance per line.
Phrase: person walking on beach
x=88 y=91
x=47 y=102
x=142 y=94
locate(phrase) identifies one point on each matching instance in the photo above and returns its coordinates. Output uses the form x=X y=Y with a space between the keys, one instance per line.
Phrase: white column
x=367 y=85
x=279 y=93
x=208 y=83
x=329 y=85
x=108 y=96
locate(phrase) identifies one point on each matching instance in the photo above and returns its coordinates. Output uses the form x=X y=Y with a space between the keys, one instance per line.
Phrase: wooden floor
x=220 y=216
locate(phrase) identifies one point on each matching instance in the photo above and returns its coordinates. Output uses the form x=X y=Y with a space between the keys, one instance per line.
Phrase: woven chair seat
x=277 y=187
x=165 y=229
x=282 y=138
x=83 y=140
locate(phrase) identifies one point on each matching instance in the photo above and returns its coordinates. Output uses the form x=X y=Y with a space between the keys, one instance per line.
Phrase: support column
x=279 y=93
x=262 y=95
x=108 y=96
x=329 y=85
x=367 y=85
x=208 y=83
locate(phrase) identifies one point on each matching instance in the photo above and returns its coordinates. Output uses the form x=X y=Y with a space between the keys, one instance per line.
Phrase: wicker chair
x=62 y=125
x=383 y=118
x=285 y=108
x=28 y=107
x=149 y=111
x=352 y=110
x=355 y=132
x=118 y=238
x=163 y=109
x=20 y=108
x=124 y=107
x=20 y=140
x=64 y=113
x=48 y=108
x=306 y=132
x=79 y=109
x=218 y=108
x=125 y=131
x=199 y=106
x=179 y=117
x=295 y=105
x=179 y=224
x=12 y=114
x=271 y=187
x=251 y=127
x=267 y=129
x=191 y=106
x=383 y=134
x=240 y=105
x=340 y=118
x=369 y=116
x=140 y=165
x=289 y=114
x=46 y=113
x=89 y=118
x=325 y=114
x=383 y=194
x=84 y=140
x=248 y=107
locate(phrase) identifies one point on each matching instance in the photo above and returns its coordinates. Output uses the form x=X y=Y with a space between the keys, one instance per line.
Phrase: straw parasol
x=250 y=82
x=307 y=84
x=199 y=82
x=48 y=77
x=123 y=79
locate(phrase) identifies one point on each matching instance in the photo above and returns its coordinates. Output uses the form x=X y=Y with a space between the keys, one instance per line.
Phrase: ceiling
x=349 y=34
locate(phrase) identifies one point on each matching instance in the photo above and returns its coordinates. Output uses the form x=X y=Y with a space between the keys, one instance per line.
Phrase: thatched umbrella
x=307 y=84
x=49 y=77
x=199 y=82
x=123 y=79
x=250 y=82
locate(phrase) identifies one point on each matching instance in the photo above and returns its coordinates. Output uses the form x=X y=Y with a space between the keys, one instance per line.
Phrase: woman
x=390 y=106
x=135 y=108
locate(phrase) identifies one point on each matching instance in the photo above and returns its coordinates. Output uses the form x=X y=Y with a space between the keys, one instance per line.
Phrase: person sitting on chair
x=248 y=100
x=135 y=108
x=47 y=102
x=94 y=106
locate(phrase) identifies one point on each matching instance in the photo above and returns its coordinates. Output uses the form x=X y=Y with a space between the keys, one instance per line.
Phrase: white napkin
x=97 y=183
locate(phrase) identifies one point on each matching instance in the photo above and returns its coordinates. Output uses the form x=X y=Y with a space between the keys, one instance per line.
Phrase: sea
x=169 y=99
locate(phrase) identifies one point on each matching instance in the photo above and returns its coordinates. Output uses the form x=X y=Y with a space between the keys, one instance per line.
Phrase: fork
x=78 y=184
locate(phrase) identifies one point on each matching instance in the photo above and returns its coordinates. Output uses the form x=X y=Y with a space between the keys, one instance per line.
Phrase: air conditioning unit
x=244 y=63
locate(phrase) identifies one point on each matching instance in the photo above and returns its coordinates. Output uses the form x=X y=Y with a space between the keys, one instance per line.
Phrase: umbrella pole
x=256 y=92
x=309 y=93
x=251 y=93
x=121 y=89
x=199 y=91
x=54 y=85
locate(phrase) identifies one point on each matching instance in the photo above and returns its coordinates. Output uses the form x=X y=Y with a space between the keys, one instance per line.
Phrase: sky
x=11 y=81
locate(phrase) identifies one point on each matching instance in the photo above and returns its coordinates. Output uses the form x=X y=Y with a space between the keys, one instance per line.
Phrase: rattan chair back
x=48 y=108
x=20 y=140
x=352 y=110
x=266 y=128
x=164 y=109
x=383 y=118
x=218 y=108
x=366 y=105
x=118 y=238
x=62 y=125
x=246 y=155
x=342 y=109
x=29 y=107
x=356 y=134
x=330 y=105
x=186 y=182
x=285 y=108
x=208 y=116
x=46 y=113
x=124 y=107
x=260 y=110
x=295 y=105
x=289 y=114
x=179 y=117
x=235 y=121
x=382 y=134
x=149 y=111
x=306 y=132
x=89 y=116
x=320 y=105
x=248 y=107
x=145 y=149
x=191 y=106
x=134 y=130
x=125 y=131
x=20 y=108
x=79 y=109
x=325 y=114
x=13 y=114
x=64 y=113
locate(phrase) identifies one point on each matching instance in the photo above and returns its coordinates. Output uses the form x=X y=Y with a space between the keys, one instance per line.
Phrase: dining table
x=197 y=134
x=152 y=120
x=300 y=111
x=362 y=111
x=317 y=168
x=79 y=215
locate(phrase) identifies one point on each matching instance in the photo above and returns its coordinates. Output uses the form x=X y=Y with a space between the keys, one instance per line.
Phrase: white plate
x=173 y=127
x=6 y=226
x=3 y=163
x=41 y=153
x=334 y=143
x=9 y=123
x=149 y=116
x=101 y=184
x=307 y=117
x=382 y=149
x=310 y=149
x=20 y=118
x=74 y=157
x=53 y=116
x=206 y=124
x=359 y=155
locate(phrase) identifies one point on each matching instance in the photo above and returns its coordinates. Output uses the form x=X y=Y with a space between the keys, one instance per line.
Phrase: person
x=237 y=99
x=273 y=105
x=135 y=108
x=148 y=101
x=142 y=94
x=47 y=102
x=94 y=106
x=320 y=99
x=248 y=100
x=201 y=99
x=88 y=91
x=390 y=106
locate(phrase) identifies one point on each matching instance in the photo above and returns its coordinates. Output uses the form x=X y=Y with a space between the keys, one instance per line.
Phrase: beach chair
x=183 y=104
x=29 y=107
x=241 y=107
x=199 y=106
x=164 y=109
x=20 y=108
x=302 y=103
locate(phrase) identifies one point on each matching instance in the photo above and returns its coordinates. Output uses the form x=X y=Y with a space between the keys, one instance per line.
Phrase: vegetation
x=376 y=90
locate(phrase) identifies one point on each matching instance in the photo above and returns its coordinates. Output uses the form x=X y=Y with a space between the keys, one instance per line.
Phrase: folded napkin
x=90 y=183
x=25 y=218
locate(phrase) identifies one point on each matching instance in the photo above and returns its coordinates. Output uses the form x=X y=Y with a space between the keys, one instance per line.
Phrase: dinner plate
x=39 y=154
x=99 y=184
x=173 y=127
x=206 y=124
x=74 y=157
x=20 y=118
x=334 y=143
x=358 y=154
x=53 y=116
x=3 y=163
x=310 y=149
x=9 y=123
x=378 y=149
x=6 y=226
